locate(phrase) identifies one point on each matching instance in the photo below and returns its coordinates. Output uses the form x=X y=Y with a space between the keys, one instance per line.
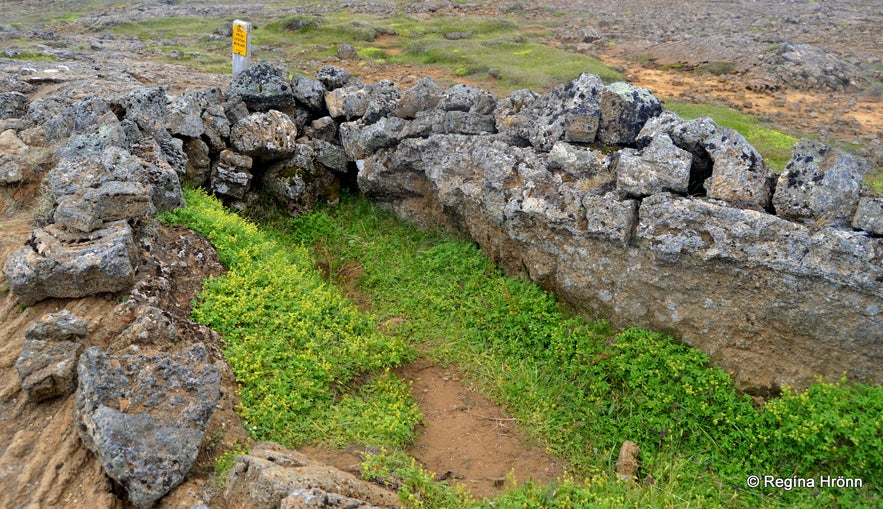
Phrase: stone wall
x=624 y=210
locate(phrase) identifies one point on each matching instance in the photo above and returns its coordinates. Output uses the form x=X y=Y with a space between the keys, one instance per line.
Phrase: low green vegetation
x=312 y=368
x=774 y=145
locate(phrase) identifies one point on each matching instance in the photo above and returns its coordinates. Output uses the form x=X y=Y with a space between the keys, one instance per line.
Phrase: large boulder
x=624 y=109
x=262 y=87
x=55 y=263
x=144 y=415
x=424 y=95
x=48 y=368
x=820 y=184
x=269 y=135
x=739 y=175
x=299 y=181
x=659 y=167
x=111 y=201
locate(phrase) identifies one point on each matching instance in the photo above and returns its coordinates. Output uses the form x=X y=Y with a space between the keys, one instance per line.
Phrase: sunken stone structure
x=624 y=210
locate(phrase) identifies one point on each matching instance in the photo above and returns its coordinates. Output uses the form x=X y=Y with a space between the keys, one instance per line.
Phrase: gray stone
x=111 y=201
x=16 y=163
x=568 y=112
x=349 y=102
x=432 y=122
x=347 y=52
x=13 y=105
x=198 y=168
x=359 y=141
x=581 y=162
x=310 y=498
x=48 y=368
x=58 y=264
x=609 y=218
x=76 y=118
x=739 y=175
x=269 y=473
x=324 y=128
x=330 y=156
x=184 y=114
x=147 y=107
x=269 y=135
x=624 y=109
x=659 y=167
x=299 y=182
x=231 y=174
x=334 y=77
x=216 y=123
x=820 y=184
x=61 y=326
x=467 y=98
x=383 y=97
x=424 y=95
x=144 y=415
x=309 y=92
x=869 y=215
x=152 y=325
x=262 y=87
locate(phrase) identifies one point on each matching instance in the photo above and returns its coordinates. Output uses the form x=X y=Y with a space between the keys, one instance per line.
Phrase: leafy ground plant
x=297 y=347
x=583 y=389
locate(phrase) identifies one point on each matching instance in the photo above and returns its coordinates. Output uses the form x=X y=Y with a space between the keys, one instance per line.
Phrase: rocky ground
x=810 y=67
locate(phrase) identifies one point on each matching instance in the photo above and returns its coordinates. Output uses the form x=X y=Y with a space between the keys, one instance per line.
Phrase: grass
x=774 y=145
x=582 y=388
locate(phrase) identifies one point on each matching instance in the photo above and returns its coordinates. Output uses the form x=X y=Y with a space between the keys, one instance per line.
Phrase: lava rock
x=47 y=369
x=231 y=174
x=739 y=175
x=424 y=95
x=299 y=182
x=152 y=325
x=61 y=326
x=334 y=77
x=360 y=140
x=820 y=184
x=262 y=87
x=144 y=416
x=198 y=167
x=111 y=201
x=269 y=135
x=310 y=93
x=869 y=215
x=55 y=263
x=624 y=109
x=13 y=105
x=659 y=167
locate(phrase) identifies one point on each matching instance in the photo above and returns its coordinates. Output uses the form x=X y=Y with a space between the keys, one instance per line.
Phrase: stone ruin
x=594 y=191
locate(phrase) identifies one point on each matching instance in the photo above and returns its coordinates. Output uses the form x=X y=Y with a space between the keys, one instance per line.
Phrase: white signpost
x=241 y=46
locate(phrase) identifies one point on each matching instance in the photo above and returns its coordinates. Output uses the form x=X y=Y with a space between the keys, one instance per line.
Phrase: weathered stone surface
x=111 y=201
x=61 y=326
x=581 y=162
x=569 y=112
x=76 y=118
x=432 y=122
x=271 y=473
x=659 y=167
x=334 y=77
x=147 y=107
x=349 y=102
x=144 y=415
x=15 y=167
x=330 y=156
x=48 y=368
x=820 y=184
x=216 y=122
x=310 y=498
x=689 y=135
x=269 y=135
x=309 y=92
x=13 y=105
x=360 y=140
x=152 y=325
x=299 y=182
x=262 y=87
x=609 y=218
x=624 y=109
x=231 y=174
x=869 y=215
x=324 y=128
x=198 y=167
x=467 y=98
x=383 y=97
x=184 y=114
x=424 y=95
x=739 y=175
x=57 y=264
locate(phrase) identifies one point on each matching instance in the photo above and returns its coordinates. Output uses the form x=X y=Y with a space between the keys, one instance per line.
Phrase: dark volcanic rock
x=820 y=184
x=13 y=105
x=262 y=87
x=48 y=368
x=299 y=182
x=58 y=264
x=269 y=135
x=144 y=416
x=61 y=326
x=231 y=174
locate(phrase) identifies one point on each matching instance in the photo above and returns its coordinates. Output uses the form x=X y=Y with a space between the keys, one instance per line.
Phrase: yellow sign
x=240 y=39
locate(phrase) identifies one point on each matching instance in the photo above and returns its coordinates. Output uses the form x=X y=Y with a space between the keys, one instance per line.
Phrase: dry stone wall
x=624 y=210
